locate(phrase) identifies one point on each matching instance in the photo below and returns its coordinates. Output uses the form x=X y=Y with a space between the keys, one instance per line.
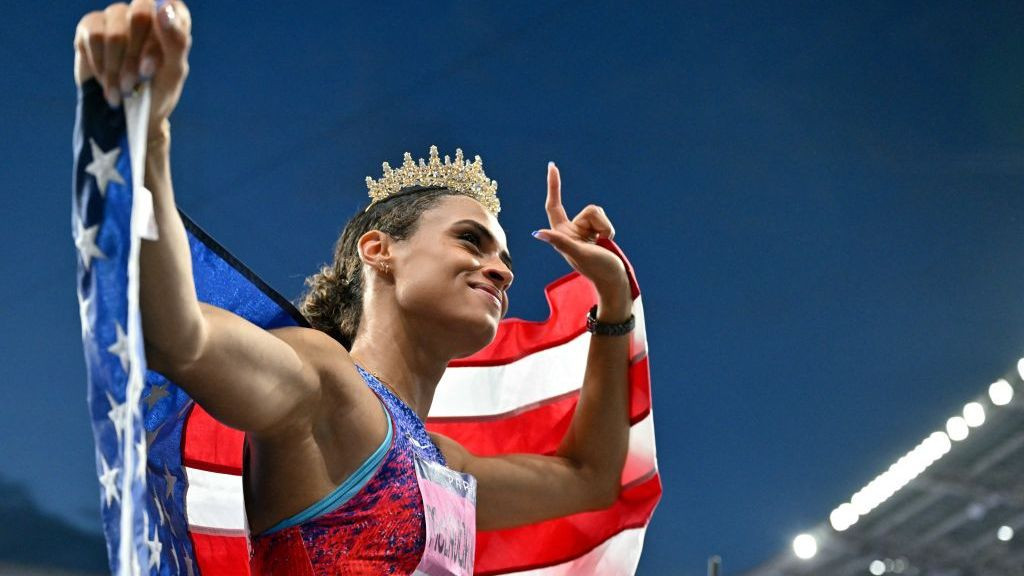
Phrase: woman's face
x=452 y=274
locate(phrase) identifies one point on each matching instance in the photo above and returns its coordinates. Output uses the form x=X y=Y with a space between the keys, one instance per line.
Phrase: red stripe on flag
x=639 y=390
x=565 y=539
x=538 y=430
x=209 y=445
x=220 y=555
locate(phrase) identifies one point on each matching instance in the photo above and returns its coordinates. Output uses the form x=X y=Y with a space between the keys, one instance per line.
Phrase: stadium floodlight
x=939 y=445
x=1005 y=533
x=956 y=428
x=861 y=503
x=917 y=461
x=1000 y=392
x=844 y=516
x=877 y=567
x=805 y=546
x=974 y=414
x=912 y=464
x=837 y=521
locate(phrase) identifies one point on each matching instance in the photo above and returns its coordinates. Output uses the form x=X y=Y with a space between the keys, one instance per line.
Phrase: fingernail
x=127 y=84
x=147 y=68
x=536 y=234
x=551 y=164
x=168 y=19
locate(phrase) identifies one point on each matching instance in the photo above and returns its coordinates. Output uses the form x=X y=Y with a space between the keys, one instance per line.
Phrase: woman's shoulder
x=330 y=360
x=311 y=341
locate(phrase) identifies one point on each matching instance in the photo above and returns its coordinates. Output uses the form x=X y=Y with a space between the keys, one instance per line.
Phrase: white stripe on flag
x=616 y=556
x=640 y=460
x=136 y=109
x=470 y=391
x=214 y=502
x=488 y=390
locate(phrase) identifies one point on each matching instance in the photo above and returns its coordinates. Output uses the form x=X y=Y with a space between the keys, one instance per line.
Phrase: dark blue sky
x=823 y=202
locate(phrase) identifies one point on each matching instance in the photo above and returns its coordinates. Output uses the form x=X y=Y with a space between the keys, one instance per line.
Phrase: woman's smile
x=490 y=292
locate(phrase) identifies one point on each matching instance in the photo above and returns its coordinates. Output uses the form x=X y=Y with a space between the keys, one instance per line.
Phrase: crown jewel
x=466 y=177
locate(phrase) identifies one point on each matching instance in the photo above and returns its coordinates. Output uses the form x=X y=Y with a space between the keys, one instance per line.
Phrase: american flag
x=170 y=475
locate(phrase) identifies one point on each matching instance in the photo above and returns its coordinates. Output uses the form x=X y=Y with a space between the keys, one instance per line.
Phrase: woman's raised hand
x=127 y=44
x=575 y=241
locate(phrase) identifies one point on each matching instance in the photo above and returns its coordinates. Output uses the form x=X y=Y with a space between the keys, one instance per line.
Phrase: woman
x=341 y=475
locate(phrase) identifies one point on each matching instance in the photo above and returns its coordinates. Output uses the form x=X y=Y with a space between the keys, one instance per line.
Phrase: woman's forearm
x=598 y=436
x=173 y=323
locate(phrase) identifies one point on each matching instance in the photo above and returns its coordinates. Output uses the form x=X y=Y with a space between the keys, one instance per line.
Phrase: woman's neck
x=410 y=368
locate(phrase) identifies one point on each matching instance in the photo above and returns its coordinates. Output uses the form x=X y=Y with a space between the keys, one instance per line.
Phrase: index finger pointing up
x=553 y=205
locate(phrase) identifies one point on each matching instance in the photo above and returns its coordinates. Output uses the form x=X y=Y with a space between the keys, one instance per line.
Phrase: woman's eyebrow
x=486 y=234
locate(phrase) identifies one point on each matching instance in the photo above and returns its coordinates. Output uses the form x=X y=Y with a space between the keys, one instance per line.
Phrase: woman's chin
x=476 y=340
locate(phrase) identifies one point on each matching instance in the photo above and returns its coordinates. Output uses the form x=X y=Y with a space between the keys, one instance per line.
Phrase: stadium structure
x=951 y=506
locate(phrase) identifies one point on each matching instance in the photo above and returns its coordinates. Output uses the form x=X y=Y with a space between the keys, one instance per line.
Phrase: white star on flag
x=151 y=435
x=154 y=545
x=85 y=241
x=160 y=509
x=117 y=416
x=169 y=479
x=103 y=167
x=156 y=393
x=120 y=347
x=108 y=480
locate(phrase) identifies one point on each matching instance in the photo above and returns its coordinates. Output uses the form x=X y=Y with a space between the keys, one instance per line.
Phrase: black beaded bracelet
x=603 y=329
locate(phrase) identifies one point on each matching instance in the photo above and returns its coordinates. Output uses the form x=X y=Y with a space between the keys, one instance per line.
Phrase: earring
x=387 y=269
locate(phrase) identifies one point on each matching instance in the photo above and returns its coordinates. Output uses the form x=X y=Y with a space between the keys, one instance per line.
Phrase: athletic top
x=372 y=524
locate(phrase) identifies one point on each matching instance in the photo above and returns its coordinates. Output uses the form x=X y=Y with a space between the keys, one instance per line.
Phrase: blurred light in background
x=914 y=463
x=974 y=414
x=1005 y=533
x=846 y=514
x=1000 y=392
x=805 y=546
x=957 y=429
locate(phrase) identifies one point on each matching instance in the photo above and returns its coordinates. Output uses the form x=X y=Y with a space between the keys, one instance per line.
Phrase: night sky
x=823 y=203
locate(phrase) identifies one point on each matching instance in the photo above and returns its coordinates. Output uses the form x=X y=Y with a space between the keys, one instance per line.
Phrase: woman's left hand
x=575 y=241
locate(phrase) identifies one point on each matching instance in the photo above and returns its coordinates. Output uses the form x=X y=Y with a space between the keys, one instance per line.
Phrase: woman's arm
x=243 y=375
x=584 y=474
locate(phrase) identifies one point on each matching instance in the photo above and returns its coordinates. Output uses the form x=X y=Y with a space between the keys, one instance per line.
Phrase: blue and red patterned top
x=370 y=525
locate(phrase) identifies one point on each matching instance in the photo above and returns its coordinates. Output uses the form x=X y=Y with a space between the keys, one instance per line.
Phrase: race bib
x=449 y=506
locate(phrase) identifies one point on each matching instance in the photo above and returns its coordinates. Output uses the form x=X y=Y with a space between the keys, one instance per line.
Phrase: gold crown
x=466 y=177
